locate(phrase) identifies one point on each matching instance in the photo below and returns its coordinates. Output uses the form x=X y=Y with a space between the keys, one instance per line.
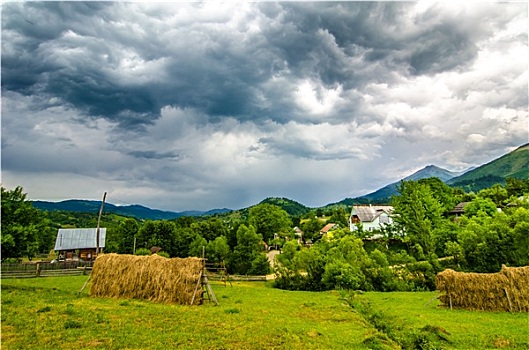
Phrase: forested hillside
x=512 y=165
x=493 y=230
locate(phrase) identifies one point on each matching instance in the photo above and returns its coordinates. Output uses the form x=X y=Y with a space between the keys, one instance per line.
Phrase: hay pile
x=507 y=290
x=147 y=277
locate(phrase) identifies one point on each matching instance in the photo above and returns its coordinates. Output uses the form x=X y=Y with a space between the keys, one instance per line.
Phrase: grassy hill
x=292 y=207
x=514 y=164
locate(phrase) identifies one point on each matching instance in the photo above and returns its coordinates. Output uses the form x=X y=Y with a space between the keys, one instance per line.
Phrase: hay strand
x=507 y=290
x=151 y=277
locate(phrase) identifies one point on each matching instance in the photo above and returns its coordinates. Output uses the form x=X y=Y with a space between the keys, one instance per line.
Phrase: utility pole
x=98 y=223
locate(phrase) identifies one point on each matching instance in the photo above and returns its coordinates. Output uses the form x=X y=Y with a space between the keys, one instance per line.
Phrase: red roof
x=327 y=227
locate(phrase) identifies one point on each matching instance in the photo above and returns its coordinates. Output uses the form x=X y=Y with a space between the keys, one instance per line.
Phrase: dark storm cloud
x=74 y=51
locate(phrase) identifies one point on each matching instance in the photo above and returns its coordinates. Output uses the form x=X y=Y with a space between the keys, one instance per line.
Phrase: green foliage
x=125 y=233
x=512 y=165
x=247 y=250
x=311 y=228
x=268 y=219
x=516 y=187
x=218 y=250
x=25 y=230
x=142 y=251
x=209 y=229
x=418 y=212
x=197 y=246
x=496 y=194
x=163 y=254
x=481 y=206
x=260 y=265
x=293 y=208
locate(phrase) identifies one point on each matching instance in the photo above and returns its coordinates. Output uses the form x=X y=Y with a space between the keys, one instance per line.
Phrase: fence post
x=38 y=270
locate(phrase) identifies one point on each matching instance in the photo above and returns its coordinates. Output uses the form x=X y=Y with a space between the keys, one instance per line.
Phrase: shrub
x=164 y=254
x=142 y=251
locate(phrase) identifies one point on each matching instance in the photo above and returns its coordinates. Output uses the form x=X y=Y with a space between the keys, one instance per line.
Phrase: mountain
x=136 y=211
x=514 y=164
x=382 y=195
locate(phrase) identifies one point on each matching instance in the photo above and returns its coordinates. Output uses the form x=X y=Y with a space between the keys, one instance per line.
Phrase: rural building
x=328 y=227
x=79 y=242
x=299 y=234
x=459 y=209
x=371 y=217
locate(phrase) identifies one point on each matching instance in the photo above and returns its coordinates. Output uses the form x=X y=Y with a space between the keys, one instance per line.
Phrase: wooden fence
x=45 y=269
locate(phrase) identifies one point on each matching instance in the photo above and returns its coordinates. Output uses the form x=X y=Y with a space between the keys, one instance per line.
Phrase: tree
x=247 y=250
x=210 y=229
x=218 y=250
x=197 y=245
x=125 y=233
x=311 y=229
x=339 y=216
x=496 y=194
x=160 y=233
x=516 y=187
x=269 y=219
x=479 y=204
x=24 y=228
x=444 y=194
x=418 y=212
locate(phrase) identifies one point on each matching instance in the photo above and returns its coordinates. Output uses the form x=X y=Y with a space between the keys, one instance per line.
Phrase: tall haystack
x=507 y=290
x=147 y=277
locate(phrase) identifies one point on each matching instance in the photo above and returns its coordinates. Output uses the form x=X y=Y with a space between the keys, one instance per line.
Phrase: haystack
x=507 y=290
x=147 y=277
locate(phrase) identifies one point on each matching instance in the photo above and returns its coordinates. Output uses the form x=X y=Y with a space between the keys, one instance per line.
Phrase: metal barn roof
x=79 y=238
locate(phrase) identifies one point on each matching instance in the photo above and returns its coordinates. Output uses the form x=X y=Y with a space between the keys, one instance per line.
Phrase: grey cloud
x=154 y=155
x=221 y=72
x=223 y=109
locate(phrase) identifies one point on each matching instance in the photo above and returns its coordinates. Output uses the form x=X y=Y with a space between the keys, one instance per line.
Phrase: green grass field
x=47 y=313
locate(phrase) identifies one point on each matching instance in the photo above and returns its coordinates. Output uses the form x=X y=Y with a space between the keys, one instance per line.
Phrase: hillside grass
x=47 y=313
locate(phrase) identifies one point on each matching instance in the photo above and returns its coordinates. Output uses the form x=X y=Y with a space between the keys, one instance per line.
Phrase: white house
x=371 y=217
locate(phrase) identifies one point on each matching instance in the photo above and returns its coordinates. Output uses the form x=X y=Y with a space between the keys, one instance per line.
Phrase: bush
x=164 y=254
x=342 y=275
x=142 y=251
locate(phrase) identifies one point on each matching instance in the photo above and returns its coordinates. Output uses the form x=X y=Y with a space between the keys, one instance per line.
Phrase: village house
x=327 y=228
x=370 y=217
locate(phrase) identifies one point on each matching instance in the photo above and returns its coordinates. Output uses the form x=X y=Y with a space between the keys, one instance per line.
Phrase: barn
x=80 y=243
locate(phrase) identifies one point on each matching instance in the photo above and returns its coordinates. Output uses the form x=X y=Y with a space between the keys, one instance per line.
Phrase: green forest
x=424 y=239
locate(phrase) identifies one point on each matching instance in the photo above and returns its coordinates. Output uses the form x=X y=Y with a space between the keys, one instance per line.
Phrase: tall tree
x=125 y=235
x=248 y=250
x=269 y=219
x=24 y=228
x=418 y=212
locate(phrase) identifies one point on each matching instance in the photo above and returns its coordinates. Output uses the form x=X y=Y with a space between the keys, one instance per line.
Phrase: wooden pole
x=98 y=223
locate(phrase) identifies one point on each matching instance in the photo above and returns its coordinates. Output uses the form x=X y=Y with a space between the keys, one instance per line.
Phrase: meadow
x=48 y=313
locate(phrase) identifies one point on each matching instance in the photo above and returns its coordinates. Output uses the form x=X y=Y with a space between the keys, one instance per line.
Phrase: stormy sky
x=203 y=105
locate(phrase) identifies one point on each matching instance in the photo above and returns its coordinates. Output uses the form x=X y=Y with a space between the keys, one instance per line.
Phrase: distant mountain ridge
x=513 y=164
x=426 y=172
x=135 y=211
x=382 y=195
